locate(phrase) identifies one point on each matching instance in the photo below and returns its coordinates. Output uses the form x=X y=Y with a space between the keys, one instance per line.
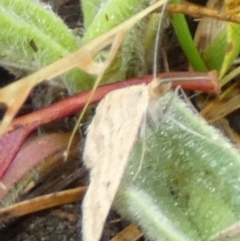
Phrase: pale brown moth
x=110 y=139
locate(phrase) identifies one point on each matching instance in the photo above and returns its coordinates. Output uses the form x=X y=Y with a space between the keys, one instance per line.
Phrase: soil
x=58 y=224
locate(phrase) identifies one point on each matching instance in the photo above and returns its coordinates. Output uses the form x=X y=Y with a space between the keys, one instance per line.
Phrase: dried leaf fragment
x=15 y=94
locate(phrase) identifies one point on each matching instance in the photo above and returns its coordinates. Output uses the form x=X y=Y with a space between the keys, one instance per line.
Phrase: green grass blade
x=185 y=40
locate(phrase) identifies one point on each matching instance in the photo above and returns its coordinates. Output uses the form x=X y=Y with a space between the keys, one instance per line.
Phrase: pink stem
x=206 y=82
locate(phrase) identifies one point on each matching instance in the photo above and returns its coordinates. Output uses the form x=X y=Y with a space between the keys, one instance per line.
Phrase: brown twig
x=199 y=11
x=41 y=203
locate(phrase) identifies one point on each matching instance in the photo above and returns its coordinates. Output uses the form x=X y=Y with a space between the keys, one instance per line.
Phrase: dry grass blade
x=224 y=126
x=229 y=233
x=130 y=233
x=226 y=103
x=15 y=94
x=41 y=203
x=198 y=11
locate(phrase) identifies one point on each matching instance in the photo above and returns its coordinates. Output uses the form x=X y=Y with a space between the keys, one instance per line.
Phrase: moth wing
x=111 y=136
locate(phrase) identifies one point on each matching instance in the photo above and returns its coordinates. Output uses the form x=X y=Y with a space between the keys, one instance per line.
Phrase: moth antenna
x=156 y=88
x=156 y=63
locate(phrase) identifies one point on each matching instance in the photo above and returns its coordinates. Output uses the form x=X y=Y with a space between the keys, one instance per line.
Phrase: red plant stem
x=198 y=81
x=206 y=82
x=21 y=127
x=10 y=144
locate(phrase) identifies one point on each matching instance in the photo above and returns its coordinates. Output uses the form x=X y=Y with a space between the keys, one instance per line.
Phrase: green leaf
x=109 y=14
x=32 y=36
x=224 y=49
x=188 y=186
x=233 y=47
x=130 y=62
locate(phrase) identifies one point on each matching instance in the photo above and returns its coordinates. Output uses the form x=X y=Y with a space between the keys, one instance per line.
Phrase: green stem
x=185 y=39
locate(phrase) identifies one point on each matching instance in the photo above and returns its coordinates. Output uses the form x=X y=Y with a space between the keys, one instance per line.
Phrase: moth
x=111 y=137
